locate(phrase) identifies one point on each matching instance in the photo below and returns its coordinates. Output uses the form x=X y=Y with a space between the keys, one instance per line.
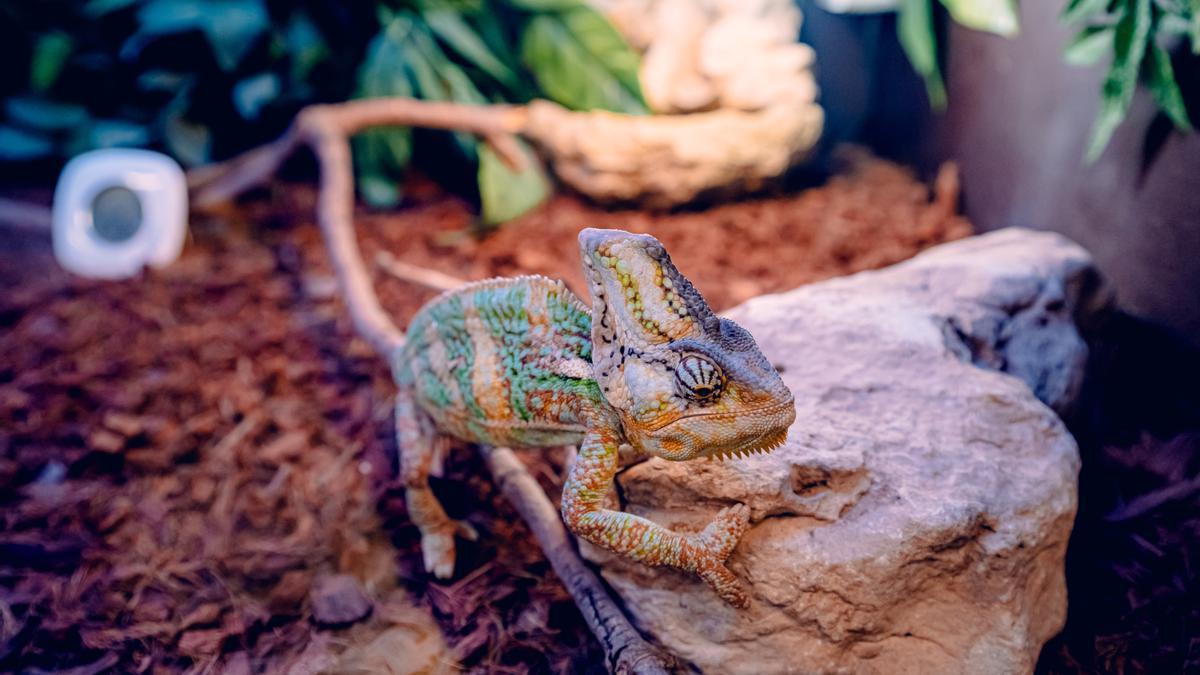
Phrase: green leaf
x=116 y=133
x=49 y=56
x=547 y=5
x=45 y=115
x=17 y=145
x=378 y=191
x=450 y=28
x=305 y=45
x=1160 y=79
x=506 y=194
x=1089 y=45
x=1078 y=10
x=98 y=8
x=163 y=80
x=381 y=154
x=581 y=62
x=252 y=94
x=191 y=143
x=914 y=26
x=1129 y=47
x=992 y=16
x=1194 y=8
x=230 y=26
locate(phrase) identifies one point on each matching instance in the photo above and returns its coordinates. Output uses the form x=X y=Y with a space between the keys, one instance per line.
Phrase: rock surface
x=917 y=519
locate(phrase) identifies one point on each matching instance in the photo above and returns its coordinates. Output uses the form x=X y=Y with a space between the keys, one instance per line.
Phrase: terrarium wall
x=1017 y=121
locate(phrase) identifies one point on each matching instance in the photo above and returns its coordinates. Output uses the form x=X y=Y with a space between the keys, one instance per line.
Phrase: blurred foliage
x=918 y=34
x=204 y=79
x=1137 y=34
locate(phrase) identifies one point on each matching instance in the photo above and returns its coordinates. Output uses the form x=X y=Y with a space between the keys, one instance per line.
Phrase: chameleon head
x=685 y=382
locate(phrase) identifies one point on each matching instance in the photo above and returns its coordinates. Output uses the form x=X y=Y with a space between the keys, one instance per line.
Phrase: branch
x=624 y=647
x=495 y=123
x=416 y=275
x=25 y=216
x=326 y=129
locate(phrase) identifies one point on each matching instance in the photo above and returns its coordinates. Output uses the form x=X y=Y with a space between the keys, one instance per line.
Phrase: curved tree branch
x=326 y=129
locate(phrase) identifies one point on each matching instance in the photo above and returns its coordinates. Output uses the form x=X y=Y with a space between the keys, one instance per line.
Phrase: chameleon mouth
x=762 y=445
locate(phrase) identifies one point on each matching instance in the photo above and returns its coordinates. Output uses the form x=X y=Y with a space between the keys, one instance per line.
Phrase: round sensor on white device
x=117 y=210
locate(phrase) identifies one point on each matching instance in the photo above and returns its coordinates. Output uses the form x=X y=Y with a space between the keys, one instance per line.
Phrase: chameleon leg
x=703 y=553
x=416 y=438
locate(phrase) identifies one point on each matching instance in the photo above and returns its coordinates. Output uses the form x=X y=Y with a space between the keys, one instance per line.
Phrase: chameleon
x=647 y=370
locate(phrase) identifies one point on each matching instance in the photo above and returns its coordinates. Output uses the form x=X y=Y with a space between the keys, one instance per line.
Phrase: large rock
x=917 y=518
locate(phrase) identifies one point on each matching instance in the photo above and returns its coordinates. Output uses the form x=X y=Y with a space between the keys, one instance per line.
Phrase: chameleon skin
x=647 y=368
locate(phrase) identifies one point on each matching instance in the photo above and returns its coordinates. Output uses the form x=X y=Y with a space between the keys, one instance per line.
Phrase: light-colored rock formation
x=704 y=54
x=662 y=161
x=917 y=519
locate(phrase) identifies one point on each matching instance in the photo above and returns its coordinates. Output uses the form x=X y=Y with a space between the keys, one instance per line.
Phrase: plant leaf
x=113 y=134
x=506 y=194
x=305 y=46
x=98 y=8
x=382 y=153
x=1160 y=79
x=547 y=5
x=914 y=27
x=1129 y=47
x=992 y=16
x=252 y=94
x=191 y=143
x=450 y=28
x=1194 y=7
x=45 y=115
x=581 y=62
x=49 y=56
x=17 y=145
x=1089 y=45
x=1078 y=10
x=230 y=26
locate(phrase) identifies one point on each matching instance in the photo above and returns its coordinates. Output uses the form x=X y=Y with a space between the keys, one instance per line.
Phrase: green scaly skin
x=524 y=363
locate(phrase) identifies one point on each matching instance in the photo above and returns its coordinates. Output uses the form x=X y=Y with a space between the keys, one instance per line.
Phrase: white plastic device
x=117 y=210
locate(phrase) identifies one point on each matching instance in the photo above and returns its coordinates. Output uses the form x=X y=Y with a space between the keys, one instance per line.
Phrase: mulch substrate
x=189 y=459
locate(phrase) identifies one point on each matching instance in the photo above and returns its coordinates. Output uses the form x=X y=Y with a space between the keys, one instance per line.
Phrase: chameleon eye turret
x=699 y=379
x=524 y=362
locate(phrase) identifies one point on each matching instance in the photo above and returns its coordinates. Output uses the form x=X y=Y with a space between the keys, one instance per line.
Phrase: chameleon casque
x=648 y=369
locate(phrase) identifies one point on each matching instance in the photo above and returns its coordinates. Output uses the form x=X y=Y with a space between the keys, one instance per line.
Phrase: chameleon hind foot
x=438 y=548
x=713 y=547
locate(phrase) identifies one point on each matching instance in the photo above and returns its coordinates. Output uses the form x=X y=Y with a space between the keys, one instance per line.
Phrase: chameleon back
x=502 y=361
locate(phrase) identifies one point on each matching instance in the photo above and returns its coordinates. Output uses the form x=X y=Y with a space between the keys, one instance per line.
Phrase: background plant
x=204 y=79
x=919 y=37
x=1138 y=35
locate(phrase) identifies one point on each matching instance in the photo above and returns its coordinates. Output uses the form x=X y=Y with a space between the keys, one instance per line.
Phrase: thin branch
x=1152 y=500
x=25 y=215
x=624 y=647
x=416 y=275
x=495 y=123
x=326 y=129
x=335 y=215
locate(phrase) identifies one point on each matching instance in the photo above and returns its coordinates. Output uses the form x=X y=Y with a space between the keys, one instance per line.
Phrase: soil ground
x=188 y=457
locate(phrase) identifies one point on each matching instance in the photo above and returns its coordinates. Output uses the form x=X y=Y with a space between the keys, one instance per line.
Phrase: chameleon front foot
x=438 y=549
x=713 y=546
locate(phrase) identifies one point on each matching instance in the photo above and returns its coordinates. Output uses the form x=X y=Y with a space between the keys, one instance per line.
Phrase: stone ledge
x=917 y=518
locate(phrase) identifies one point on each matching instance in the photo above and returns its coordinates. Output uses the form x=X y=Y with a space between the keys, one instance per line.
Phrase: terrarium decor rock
x=917 y=518
x=734 y=96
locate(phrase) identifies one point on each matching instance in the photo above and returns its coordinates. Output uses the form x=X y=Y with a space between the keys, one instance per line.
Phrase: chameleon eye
x=698 y=378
